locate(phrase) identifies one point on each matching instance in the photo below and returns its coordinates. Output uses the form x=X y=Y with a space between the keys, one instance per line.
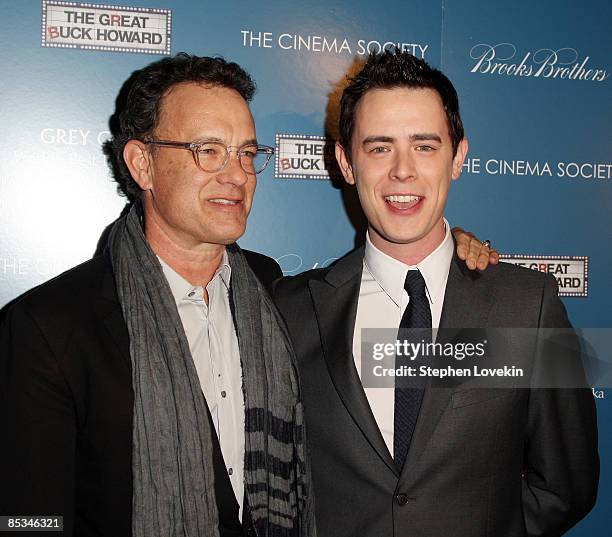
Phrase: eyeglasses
x=212 y=157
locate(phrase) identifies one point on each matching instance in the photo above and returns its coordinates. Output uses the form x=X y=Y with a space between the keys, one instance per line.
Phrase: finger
x=487 y=256
x=463 y=239
x=475 y=247
x=460 y=237
x=483 y=258
x=493 y=257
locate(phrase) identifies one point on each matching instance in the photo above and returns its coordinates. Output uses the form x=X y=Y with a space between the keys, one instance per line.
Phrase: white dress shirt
x=382 y=301
x=214 y=347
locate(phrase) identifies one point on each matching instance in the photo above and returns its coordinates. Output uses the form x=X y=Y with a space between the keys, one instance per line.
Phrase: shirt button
x=401 y=498
x=223 y=393
x=230 y=471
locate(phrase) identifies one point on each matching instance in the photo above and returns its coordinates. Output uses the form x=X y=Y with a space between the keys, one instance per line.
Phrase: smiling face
x=402 y=164
x=188 y=206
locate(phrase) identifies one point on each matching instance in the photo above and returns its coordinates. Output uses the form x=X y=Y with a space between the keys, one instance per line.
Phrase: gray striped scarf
x=172 y=464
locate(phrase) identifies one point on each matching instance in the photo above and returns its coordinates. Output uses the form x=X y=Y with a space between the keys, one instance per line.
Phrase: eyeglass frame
x=194 y=146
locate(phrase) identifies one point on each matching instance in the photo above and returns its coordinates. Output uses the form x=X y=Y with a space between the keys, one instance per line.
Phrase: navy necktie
x=408 y=398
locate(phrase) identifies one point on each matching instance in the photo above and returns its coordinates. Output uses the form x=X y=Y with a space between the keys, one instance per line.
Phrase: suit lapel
x=108 y=311
x=335 y=303
x=466 y=305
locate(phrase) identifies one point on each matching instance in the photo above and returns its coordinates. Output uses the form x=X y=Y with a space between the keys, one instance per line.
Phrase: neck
x=411 y=253
x=196 y=264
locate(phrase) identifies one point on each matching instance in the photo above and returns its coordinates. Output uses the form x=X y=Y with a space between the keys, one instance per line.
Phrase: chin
x=229 y=237
x=402 y=237
x=403 y=240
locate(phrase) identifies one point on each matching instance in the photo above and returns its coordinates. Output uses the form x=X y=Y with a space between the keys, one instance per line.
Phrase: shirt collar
x=391 y=273
x=183 y=290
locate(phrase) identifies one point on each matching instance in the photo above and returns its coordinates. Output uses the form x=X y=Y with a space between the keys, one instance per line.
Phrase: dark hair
x=396 y=69
x=138 y=104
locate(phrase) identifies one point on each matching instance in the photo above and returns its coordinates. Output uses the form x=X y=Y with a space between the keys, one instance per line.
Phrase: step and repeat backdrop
x=535 y=92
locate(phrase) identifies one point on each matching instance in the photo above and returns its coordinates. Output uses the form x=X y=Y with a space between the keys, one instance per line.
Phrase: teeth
x=402 y=199
x=224 y=201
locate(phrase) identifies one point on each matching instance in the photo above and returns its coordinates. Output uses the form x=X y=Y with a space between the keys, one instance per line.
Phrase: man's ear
x=138 y=159
x=459 y=158
x=345 y=164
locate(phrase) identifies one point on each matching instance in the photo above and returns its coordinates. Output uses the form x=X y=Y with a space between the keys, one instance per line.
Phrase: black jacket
x=66 y=401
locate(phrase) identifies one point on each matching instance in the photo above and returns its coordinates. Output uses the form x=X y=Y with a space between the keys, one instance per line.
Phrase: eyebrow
x=374 y=139
x=250 y=141
x=420 y=137
x=425 y=136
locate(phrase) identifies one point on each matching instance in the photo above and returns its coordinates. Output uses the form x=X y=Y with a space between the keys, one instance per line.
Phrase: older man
x=140 y=394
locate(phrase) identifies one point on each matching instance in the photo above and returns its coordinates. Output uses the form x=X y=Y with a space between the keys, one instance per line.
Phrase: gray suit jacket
x=482 y=462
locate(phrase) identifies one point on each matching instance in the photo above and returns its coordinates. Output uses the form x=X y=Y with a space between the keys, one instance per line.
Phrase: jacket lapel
x=108 y=311
x=466 y=305
x=335 y=304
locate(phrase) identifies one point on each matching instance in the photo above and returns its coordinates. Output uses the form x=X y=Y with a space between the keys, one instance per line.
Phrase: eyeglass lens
x=212 y=157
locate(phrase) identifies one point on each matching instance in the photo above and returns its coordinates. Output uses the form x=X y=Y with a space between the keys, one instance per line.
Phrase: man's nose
x=403 y=168
x=233 y=172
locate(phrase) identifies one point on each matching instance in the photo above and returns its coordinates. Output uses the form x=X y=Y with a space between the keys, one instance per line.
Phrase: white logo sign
x=571 y=272
x=563 y=170
x=564 y=63
x=327 y=44
x=103 y=27
x=301 y=156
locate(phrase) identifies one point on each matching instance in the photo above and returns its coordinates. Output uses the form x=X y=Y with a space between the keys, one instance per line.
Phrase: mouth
x=403 y=202
x=225 y=202
x=227 y=205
